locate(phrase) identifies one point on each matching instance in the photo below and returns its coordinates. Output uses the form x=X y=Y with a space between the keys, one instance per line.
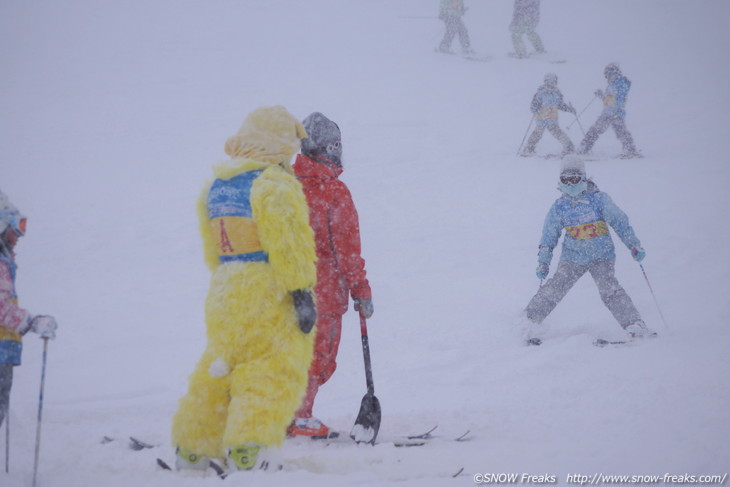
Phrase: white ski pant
x=567 y=274
x=554 y=129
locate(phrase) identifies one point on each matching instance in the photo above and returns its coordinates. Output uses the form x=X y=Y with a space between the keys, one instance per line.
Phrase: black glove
x=305 y=308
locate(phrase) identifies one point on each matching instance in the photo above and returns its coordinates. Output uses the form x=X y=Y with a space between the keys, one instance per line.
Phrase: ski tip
x=533 y=342
x=219 y=471
x=137 y=445
x=464 y=436
x=600 y=342
x=162 y=464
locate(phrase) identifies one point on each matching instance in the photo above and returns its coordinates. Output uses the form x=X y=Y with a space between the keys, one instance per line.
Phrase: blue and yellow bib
x=231 y=219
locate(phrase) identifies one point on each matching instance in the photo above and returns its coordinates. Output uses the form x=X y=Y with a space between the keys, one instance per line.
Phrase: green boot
x=243 y=457
x=186 y=459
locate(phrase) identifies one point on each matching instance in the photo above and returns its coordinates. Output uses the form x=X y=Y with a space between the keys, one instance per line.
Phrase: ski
x=134 y=443
x=482 y=58
x=537 y=56
x=219 y=471
x=600 y=342
x=406 y=441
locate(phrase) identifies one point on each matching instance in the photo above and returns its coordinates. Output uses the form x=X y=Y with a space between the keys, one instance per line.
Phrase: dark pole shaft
x=366 y=355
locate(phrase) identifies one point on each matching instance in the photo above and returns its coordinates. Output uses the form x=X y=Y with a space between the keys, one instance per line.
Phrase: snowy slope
x=113 y=113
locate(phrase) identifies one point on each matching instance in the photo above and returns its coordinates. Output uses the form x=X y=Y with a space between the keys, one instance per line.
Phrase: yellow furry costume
x=253 y=373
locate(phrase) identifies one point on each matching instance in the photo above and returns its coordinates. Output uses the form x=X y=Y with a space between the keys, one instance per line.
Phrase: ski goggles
x=18 y=225
x=571 y=179
x=20 y=230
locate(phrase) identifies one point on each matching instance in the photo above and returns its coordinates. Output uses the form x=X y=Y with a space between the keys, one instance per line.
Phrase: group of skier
x=283 y=245
x=525 y=17
x=548 y=100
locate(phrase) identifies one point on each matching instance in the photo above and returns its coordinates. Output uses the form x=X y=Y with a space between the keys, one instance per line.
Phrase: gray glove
x=45 y=326
x=305 y=308
x=364 y=306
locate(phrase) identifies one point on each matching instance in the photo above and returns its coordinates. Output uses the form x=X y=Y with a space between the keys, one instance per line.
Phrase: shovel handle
x=366 y=354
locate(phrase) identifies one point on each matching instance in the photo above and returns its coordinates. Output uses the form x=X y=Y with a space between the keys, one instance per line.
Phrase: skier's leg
x=536 y=41
x=6 y=382
x=199 y=422
x=517 y=42
x=613 y=295
x=324 y=363
x=562 y=137
x=593 y=133
x=268 y=384
x=554 y=290
x=535 y=137
x=623 y=134
x=448 y=35
x=463 y=35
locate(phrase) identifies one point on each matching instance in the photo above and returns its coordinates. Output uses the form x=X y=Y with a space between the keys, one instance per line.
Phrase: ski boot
x=252 y=456
x=638 y=329
x=311 y=427
x=187 y=460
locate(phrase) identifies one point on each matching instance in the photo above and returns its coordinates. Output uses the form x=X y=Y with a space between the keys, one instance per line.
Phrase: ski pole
x=526 y=132
x=40 y=412
x=577 y=120
x=7 y=441
x=581 y=113
x=654 y=296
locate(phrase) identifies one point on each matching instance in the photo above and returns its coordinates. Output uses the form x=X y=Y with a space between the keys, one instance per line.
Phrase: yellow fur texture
x=251 y=323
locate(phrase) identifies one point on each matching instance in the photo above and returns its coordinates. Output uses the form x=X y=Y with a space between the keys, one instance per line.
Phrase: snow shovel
x=367 y=423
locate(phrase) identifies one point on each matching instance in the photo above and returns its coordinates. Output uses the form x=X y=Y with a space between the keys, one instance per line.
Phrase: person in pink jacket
x=14 y=320
x=340 y=267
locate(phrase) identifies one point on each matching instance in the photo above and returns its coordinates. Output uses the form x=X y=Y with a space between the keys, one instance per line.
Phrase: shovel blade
x=367 y=423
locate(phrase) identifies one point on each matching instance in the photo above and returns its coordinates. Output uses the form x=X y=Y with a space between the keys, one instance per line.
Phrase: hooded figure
x=340 y=268
x=545 y=105
x=14 y=320
x=613 y=114
x=585 y=213
x=259 y=311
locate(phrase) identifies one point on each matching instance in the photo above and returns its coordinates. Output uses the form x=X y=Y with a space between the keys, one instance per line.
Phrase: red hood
x=309 y=171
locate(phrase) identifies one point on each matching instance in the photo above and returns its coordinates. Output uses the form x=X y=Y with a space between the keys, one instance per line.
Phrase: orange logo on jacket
x=587 y=230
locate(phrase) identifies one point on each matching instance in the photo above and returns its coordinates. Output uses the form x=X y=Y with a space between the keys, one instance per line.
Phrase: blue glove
x=638 y=254
x=45 y=326
x=544 y=256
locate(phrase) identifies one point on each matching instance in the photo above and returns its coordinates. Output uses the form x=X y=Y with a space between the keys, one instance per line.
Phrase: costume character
x=259 y=311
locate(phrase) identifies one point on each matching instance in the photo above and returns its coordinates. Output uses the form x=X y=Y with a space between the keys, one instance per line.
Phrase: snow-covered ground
x=112 y=113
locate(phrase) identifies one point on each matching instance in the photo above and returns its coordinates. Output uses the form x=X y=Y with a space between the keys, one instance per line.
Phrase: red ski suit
x=340 y=268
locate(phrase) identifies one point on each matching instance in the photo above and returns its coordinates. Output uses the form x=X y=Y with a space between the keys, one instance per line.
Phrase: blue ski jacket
x=617 y=92
x=586 y=219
